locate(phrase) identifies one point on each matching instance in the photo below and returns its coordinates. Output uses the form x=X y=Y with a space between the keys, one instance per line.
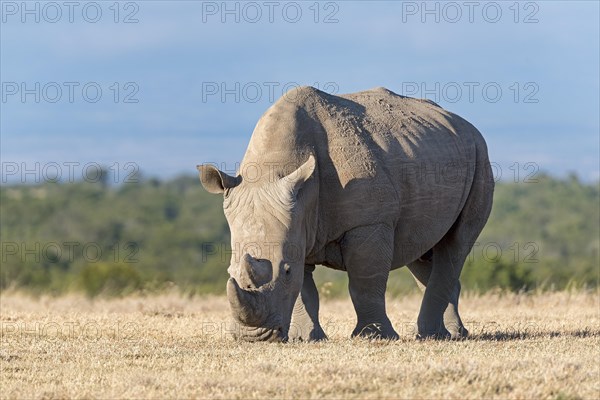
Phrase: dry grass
x=523 y=346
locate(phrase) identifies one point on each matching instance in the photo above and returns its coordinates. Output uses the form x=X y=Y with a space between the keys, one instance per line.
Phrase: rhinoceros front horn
x=247 y=306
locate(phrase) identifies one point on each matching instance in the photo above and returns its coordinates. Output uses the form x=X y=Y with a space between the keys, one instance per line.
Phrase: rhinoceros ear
x=215 y=181
x=296 y=179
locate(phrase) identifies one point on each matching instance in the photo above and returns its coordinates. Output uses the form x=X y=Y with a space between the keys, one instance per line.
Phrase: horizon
x=116 y=178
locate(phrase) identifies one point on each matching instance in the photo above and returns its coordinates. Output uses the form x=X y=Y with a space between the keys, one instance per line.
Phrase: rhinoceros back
x=382 y=158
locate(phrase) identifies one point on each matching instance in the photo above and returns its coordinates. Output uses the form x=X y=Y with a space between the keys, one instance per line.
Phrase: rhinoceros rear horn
x=215 y=181
x=247 y=306
x=296 y=179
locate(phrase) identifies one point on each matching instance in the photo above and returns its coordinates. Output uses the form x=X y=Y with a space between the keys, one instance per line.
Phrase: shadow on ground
x=525 y=335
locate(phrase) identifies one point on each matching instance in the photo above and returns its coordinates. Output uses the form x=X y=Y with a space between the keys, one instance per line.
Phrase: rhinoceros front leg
x=305 y=318
x=367 y=254
x=421 y=270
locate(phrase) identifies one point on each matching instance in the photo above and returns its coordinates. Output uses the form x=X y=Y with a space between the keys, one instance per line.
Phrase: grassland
x=522 y=346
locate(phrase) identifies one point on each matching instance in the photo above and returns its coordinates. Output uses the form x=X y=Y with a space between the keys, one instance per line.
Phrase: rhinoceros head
x=268 y=238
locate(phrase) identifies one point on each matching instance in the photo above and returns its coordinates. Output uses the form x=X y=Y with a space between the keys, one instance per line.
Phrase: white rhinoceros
x=365 y=183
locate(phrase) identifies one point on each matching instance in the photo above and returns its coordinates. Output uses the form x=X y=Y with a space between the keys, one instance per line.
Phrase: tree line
x=155 y=235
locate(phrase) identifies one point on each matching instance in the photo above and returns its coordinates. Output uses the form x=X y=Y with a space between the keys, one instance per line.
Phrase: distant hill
x=58 y=237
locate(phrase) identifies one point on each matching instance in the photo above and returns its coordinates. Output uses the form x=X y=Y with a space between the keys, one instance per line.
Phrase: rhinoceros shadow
x=502 y=336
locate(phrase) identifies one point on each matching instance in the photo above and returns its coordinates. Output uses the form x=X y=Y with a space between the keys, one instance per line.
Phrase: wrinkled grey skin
x=366 y=183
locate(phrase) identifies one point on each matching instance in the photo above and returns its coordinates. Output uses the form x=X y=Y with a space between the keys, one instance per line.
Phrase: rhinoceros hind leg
x=452 y=320
x=421 y=271
x=438 y=316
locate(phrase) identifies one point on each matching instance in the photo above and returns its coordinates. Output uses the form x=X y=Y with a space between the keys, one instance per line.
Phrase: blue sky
x=526 y=75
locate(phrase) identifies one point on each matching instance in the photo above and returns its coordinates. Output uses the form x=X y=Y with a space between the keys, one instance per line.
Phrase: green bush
x=481 y=276
x=109 y=279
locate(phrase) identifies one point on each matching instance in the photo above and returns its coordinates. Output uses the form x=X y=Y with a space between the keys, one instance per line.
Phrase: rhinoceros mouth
x=249 y=307
x=260 y=334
